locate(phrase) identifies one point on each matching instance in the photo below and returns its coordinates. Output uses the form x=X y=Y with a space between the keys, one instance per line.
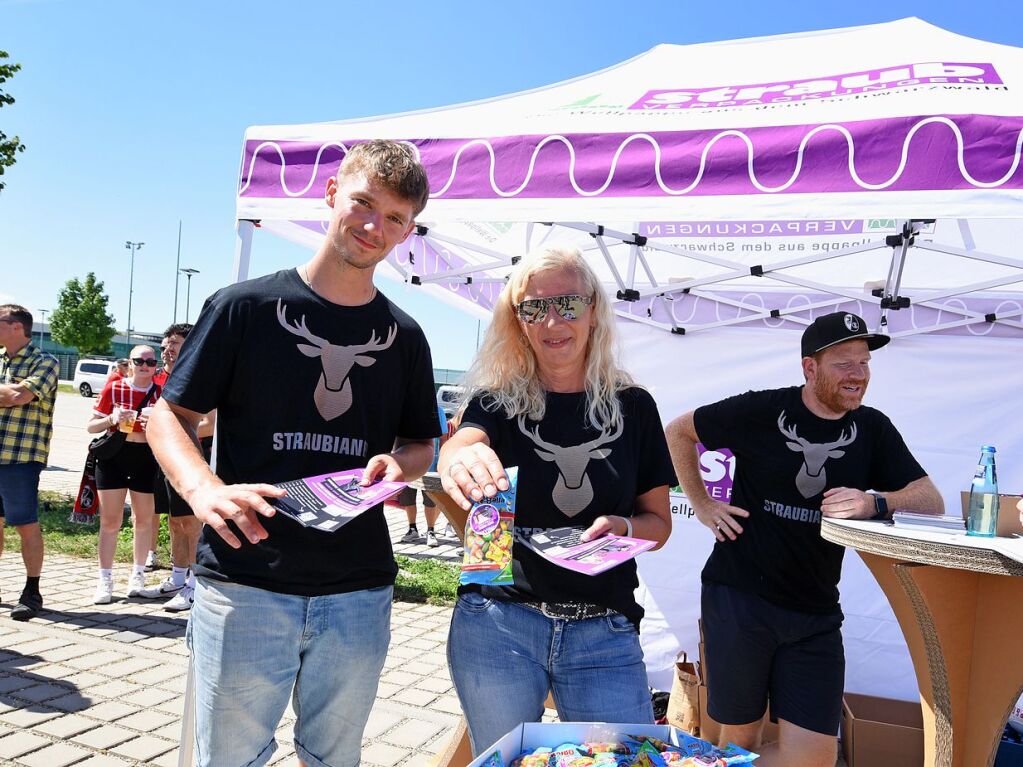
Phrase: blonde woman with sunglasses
x=123 y=405
x=546 y=394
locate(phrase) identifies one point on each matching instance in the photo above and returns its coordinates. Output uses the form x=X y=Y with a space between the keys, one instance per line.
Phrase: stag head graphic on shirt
x=812 y=478
x=333 y=395
x=572 y=492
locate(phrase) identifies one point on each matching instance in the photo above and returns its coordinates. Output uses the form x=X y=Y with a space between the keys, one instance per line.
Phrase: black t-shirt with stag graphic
x=786 y=457
x=570 y=473
x=304 y=387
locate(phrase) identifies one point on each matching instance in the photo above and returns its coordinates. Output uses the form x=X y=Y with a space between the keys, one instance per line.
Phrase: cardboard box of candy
x=596 y=743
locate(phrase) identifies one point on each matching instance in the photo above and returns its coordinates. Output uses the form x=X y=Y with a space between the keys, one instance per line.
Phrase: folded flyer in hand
x=330 y=501
x=562 y=547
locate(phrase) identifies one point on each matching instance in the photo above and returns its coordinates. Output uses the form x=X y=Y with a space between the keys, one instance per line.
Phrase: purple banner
x=806 y=159
x=900 y=76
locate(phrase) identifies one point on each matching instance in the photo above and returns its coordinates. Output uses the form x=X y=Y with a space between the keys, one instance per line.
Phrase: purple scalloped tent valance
x=893 y=154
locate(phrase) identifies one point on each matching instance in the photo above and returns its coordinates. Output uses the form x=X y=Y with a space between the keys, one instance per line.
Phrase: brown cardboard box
x=1008 y=515
x=711 y=730
x=881 y=731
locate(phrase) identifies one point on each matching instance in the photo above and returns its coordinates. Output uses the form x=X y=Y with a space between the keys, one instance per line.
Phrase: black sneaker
x=28 y=607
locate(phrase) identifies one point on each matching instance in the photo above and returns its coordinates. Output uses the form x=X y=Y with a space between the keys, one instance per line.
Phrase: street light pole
x=132 y=246
x=43 y=312
x=188 y=272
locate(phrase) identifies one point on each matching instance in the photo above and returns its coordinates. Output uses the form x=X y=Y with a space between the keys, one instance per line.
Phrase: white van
x=91 y=376
x=448 y=398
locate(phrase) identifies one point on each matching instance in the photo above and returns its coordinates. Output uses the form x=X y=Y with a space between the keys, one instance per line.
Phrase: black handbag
x=107 y=445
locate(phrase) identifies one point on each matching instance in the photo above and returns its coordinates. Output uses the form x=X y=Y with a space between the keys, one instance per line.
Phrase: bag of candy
x=489 y=534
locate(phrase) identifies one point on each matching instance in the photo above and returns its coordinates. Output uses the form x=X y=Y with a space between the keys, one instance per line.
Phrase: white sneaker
x=182 y=600
x=166 y=589
x=431 y=539
x=151 y=562
x=411 y=536
x=136 y=585
x=104 y=591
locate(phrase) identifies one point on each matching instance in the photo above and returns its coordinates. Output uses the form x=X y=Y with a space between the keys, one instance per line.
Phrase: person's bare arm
x=469 y=468
x=100 y=423
x=173 y=437
x=408 y=461
x=651 y=519
x=207 y=425
x=719 y=516
x=920 y=495
x=13 y=395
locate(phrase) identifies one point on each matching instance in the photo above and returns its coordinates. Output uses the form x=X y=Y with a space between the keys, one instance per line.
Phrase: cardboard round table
x=960 y=605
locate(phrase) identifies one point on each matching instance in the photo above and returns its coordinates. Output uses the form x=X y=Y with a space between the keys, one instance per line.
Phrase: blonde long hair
x=505 y=368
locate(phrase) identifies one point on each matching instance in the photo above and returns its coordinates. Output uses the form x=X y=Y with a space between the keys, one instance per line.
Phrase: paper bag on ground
x=684 y=703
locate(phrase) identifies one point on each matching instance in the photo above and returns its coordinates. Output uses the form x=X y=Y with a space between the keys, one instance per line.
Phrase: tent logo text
x=822 y=87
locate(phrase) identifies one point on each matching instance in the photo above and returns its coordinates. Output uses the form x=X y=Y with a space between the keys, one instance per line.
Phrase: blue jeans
x=252 y=649
x=505 y=658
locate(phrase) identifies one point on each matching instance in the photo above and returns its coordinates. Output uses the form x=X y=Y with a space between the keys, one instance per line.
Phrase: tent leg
x=242 y=250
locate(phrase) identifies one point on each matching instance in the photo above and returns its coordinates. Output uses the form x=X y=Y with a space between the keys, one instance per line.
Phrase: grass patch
x=419 y=580
x=67 y=388
x=62 y=536
x=426 y=580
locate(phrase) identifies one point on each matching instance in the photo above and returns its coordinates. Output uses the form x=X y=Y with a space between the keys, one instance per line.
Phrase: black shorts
x=757 y=651
x=166 y=497
x=134 y=467
x=407 y=497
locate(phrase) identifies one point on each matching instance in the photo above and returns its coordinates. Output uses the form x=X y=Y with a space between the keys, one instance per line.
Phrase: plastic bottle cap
x=989 y=449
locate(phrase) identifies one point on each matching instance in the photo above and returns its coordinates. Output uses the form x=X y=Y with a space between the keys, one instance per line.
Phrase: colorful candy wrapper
x=494 y=760
x=489 y=534
x=649 y=756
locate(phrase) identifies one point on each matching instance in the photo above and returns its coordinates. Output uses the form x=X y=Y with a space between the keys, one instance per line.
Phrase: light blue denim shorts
x=252 y=649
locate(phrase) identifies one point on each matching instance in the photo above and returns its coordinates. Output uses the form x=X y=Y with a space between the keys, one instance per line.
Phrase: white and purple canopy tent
x=728 y=193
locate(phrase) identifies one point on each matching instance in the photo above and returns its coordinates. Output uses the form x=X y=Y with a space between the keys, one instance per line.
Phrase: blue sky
x=133 y=113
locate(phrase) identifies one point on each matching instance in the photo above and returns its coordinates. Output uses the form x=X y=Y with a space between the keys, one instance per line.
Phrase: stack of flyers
x=561 y=546
x=330 y=501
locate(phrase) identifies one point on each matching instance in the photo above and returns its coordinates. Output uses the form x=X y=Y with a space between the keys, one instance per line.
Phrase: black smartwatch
x=882 y=507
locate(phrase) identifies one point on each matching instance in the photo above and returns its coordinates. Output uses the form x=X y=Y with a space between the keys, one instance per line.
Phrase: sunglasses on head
x=569 y=308
x=140 y=361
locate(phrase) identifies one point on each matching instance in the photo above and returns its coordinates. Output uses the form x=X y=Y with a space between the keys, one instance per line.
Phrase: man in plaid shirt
x=28 y=388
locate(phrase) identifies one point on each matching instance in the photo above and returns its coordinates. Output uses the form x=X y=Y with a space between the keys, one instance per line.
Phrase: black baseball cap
x=837 y=327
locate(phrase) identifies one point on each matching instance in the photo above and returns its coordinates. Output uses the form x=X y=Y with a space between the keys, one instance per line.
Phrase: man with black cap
x=771 y=617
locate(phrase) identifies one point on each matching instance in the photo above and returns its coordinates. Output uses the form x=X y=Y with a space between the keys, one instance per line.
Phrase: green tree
x=81 y=319
x=9 y=147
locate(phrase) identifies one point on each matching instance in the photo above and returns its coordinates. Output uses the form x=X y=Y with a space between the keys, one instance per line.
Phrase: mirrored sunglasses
x=570 y=308
x=140 y=361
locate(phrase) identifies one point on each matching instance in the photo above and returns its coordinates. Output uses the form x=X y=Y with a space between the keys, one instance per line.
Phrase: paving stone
x=105 y=736
x=110 y=711
x=19 y=743
x=435 y=684
x=146 y=721
x=385 y=690
x=379 y=722
x=383 y=755
x=170 y=759
x=414 y=697
x=144 y=748
x=27 y=717
x=113 y=689
x=104 y=760
x=12 y=683
x=41 y=692
x=149 y=697
x=71 y=703
x=412 y=733
x=66 y=726
x=57 y=755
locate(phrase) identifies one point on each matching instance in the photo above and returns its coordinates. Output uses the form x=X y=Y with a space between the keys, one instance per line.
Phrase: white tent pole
x=242 y=249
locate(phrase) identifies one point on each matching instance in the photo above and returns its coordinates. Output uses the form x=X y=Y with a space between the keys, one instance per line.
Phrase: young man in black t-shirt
x=311 y=371
x=771 y=616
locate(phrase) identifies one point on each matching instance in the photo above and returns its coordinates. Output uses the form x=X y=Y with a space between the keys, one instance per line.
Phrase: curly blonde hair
x=505 y=368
